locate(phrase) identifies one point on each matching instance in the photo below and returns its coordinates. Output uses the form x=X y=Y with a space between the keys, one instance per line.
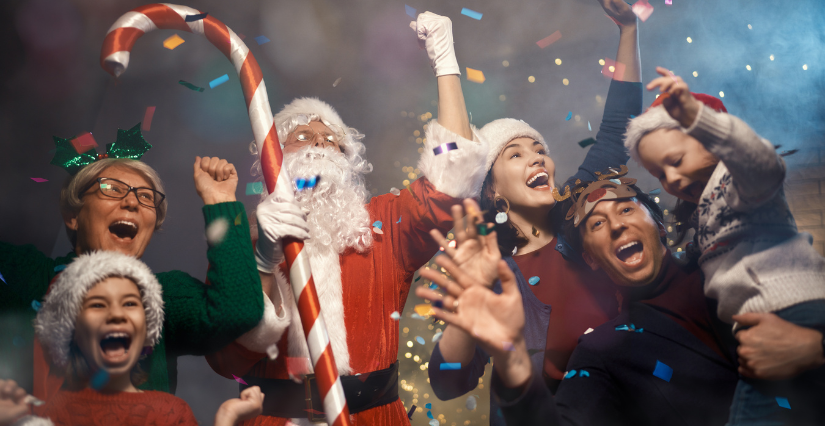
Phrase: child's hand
x=678 y=101
x=12 y=402
x=235 y=410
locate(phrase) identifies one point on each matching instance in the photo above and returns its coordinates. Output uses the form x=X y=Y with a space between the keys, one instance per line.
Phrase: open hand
x=215 y=180
x=620 y=11
x=775 y=349
x=235 y=410
x=12 y=402
x=678 y=101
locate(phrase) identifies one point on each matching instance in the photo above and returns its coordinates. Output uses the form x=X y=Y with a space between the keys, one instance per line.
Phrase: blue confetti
x=570 y=374
x=59 y=268
x=450 y=366
x=2 y=279
x=198 y=17
x=395 y=315
x=569 y=116
x=434 y=422
x=663 y=371
x=656 y=191
x=253 y=188
x=632 y=116
x=399 y=220
x=416 y=316
x=410 y=11
x=433 y=286
x=622 y=327
x=583 y=373
x=533 y=280
x=430 y=414
x=471 y=13
x=588 y=127
x=99 y=380
x=437 y=337
x=261 y=40
x=419 y=339
x=783 y=402
x=377 y=224
x=218 y=81
x=36 y=305
x=428 y=406
x=410 y=413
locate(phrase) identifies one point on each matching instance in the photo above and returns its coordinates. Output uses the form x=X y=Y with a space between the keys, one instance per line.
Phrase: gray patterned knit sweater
x=753 y=257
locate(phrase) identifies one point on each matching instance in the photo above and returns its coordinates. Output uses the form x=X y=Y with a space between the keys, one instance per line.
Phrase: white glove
x=435 y=33
x=276 y=220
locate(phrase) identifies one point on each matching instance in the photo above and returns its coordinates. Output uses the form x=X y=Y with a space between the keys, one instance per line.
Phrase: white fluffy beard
x=336 y=213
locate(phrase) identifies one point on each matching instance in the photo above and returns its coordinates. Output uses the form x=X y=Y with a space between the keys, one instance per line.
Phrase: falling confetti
x=552 y=38
x=84 y=142
x=395 y=191
x=471 y=403
x=783 y=402
x=238 y=379
x=218 y=81
x=420 y=340
x=663 y=371
x=338 y=80
x=36 y=305
x=399 y=220
x=238 y=219
x=376 y=224
x=588 y=331
x=569 y=116
x=434 y=422
x=261 y=40
x=216 y=231
x=59 y=268
x=2 y=278
x=430 y=415
x=308 y=183
x=437 y=337
x=445 y=147
x=272 y=351
x=424 y=309
x=471 y=13
x=39 y=180
x=656 y=191
x=588 y=126
x=410 y=11
x=450 y=366
x=146 y=124
x=583 y=373
x=428 y=406
x=253 y=188
x=569 y=374
x=669 y=2
x=172 y=42
x=533 y=280
x=642 y=9
x=476 y=76
x=99 y=380
x=191 y=86
x=395 y=316
x=410 y=413
x=198 y=17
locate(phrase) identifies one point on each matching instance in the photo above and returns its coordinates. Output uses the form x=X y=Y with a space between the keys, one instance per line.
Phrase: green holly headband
x=129 y=144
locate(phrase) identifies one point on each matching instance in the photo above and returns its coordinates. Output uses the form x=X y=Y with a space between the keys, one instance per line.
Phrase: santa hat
x=656 y=117
x=499 y=132
x=312 y=108
x=55 y=322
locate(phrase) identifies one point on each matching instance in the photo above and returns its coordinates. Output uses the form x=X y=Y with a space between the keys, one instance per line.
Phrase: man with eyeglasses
x=363 y=254
x=117 y=204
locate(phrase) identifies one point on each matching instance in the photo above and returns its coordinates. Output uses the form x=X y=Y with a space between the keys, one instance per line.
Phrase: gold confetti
x=476 y=76
x=172 y=42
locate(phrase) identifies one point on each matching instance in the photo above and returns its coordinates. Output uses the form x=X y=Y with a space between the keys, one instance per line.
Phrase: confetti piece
x=410 y=11
x=437 y=337
x=297 y=366
x=395 y=316
x=642 y=9
x=588 y=126
x=588 y=331
x=450 y=366
x=84 y=142
x=552 y=38
x=241 y=36
x=338 y=80
x=363 y=377
x=416 y=316
x=399 y=220
x=656 y=191
x=410 y=413
x=146 y=124
x=419 y=339
x=59 y=268
x=587 y=142
x=238 y=379
x=261 y=40
x=36 y=305
x=100 y=379
x=618 y=70
x=253 y=188
x=783 y=402
x=395 y=191
x=428 y=406
x=272 y=351
x=198 y=17
x=29 y=399
x=622 y=327
x=445 y=147
x=191 y=86
x=569 y=374
x=216 y=231
x=376 y=224
x=471 y=403
x=306 y=183
x=39 y=180
x=2 y=278
x=476 y=76
x=669 y=2
x=172 y=42
x=430 y=415
x=310 y=410
x=434 y=422
x=533 y=280
x=238 y=219
x=663 y=371
x=569 y=116
x=424 y=309
x=471 y=13
x=218 y=81
x=583 y=373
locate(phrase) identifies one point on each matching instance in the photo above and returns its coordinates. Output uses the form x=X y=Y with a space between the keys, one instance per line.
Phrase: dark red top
x=91 y=408
x=579 y=299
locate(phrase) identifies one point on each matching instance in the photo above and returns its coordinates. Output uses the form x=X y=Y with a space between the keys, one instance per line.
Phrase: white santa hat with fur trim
x=55 y=322
x=497 y=133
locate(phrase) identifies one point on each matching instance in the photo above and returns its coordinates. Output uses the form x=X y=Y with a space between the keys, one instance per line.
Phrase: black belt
x=285 y=398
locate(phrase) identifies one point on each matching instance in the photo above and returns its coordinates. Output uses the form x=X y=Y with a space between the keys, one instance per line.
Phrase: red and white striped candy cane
x=114 y=57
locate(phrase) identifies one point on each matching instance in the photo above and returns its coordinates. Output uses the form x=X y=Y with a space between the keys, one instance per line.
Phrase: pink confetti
x=552 y=38
x=669 y=2
x=84 y=143
x=147 y=119
x=642 y=9
x=40 y=180
x=239 y=380
x=618 y=69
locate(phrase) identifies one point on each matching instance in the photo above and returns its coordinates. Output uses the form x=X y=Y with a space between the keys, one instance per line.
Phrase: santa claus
x=362 y=272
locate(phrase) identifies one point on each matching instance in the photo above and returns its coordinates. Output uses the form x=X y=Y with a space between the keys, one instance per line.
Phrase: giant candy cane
x=114 y=57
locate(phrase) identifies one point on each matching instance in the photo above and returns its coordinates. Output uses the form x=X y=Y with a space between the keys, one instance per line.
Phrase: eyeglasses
x=116 y=189
x=332 y=135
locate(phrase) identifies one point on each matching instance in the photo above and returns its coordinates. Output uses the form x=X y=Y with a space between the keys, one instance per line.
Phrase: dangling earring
x=501 y=216
x=536 y=232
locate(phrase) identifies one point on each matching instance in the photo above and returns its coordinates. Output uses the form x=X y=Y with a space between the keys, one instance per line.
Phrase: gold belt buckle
x=313 y=414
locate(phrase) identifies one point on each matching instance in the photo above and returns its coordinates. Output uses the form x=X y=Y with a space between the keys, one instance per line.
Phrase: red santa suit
x=360 y=291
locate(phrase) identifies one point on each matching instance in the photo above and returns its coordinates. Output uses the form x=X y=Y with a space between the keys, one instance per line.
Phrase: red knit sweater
x=91 y=408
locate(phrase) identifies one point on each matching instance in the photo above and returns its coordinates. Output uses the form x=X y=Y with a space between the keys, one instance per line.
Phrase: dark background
x=51 y=83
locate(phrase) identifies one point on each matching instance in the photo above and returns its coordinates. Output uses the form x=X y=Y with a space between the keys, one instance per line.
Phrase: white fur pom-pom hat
x=497 y=133
x=55 y=322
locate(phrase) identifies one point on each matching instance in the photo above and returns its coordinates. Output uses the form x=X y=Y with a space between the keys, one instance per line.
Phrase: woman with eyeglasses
x=116 y=204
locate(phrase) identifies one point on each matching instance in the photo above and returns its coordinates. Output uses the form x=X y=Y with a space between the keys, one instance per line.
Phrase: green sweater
x=200 y=317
